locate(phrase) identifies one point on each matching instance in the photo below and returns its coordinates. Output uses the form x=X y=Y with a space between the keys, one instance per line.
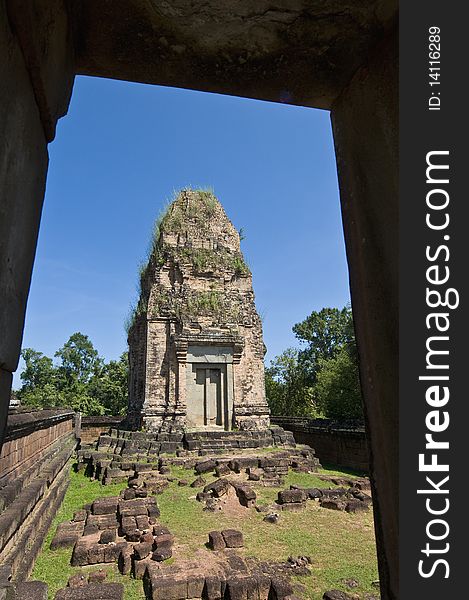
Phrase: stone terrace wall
x=92 y=427
x=28 y=437
x=34 y=475
x=342 y=444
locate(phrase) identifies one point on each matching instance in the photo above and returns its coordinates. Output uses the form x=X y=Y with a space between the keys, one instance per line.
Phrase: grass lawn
x=341 y=545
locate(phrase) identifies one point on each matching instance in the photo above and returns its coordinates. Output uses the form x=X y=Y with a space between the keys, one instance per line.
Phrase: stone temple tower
x=195 y=343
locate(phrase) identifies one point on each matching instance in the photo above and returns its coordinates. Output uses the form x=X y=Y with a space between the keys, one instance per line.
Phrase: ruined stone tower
x=195 y=343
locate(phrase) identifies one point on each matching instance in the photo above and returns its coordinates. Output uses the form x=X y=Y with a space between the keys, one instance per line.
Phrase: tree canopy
x=80 y=379
x=321 y=378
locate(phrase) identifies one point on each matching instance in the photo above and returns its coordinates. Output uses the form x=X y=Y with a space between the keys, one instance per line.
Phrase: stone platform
x=120 y=454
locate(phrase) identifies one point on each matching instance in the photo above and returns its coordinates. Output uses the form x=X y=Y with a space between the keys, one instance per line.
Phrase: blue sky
x=118 y=156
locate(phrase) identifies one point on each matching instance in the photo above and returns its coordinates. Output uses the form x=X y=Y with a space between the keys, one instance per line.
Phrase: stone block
x=205 y=466
x=133 y=535
x=280 y=589
x=80 y=515
x=142 y=550
x=160 y=530
x=333 y=504
x=107 y=536
x=198 y=482
x=195 y=585
x=34 y=590
x=291 y=496
x=216 y=541
x=108 y=521
x=113 y=551
x=80 y=554
x=143 y=522
x=125 y=560
x=164 y=540
x=67 y=534
x=162 y=554
x=132 y=508
x=355 y=505
x=233 y=538
x=222 y=469
x=213 y=588
x=96 y=553
x=337 y=595
x=93 y=591
x=105 y=506
x=218 y=488
x=128 y=494
x=241 y=588
x=263 y=584
x=140 y=567
x=247 y=496
x=168 y=587
x=255 y=474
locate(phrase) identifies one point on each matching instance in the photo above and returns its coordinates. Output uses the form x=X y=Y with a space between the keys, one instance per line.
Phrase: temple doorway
x=207 y=396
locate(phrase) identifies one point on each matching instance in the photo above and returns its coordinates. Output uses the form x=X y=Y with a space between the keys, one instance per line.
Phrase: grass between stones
x=341 y=545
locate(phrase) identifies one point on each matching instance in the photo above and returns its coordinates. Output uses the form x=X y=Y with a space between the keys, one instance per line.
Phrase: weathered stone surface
x=356 y=505
x=216 y=541
x=77 y=580
x=93 y=591
x=218 y=488
x=159 y=530
x=80 y=515
x=197 y=327
x=168 y=587
x=291 y=496
x=205 y=466
x=31 y=590
x=107 y=536
x=337 y=595
x=333 y=504
x=67 y=534
x=213 y=589
x=142 y=550
x=247 y=496
x=198 y=482
x=105 y=506
x=233 y=538
x=97 y=576
x=280 y=589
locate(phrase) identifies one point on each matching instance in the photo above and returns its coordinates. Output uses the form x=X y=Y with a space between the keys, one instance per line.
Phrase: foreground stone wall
x=334 y=443
x=34 y=476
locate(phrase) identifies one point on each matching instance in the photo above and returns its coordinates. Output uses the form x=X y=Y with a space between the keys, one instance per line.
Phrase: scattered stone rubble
x=351 y=499
x=218 y=490
x=117 y=456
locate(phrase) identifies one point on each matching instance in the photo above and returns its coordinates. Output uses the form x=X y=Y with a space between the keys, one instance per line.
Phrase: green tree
x=337 y=389
x=81 y=381
x=40 y=381
x=287 y=387
x=110 y=386
x=322 y=378
x=80 y=360
x=324 y=333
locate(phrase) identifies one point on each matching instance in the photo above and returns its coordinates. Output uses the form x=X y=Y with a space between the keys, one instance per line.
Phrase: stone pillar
x=78 y=425
x=365 y=125
x=36 y=72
